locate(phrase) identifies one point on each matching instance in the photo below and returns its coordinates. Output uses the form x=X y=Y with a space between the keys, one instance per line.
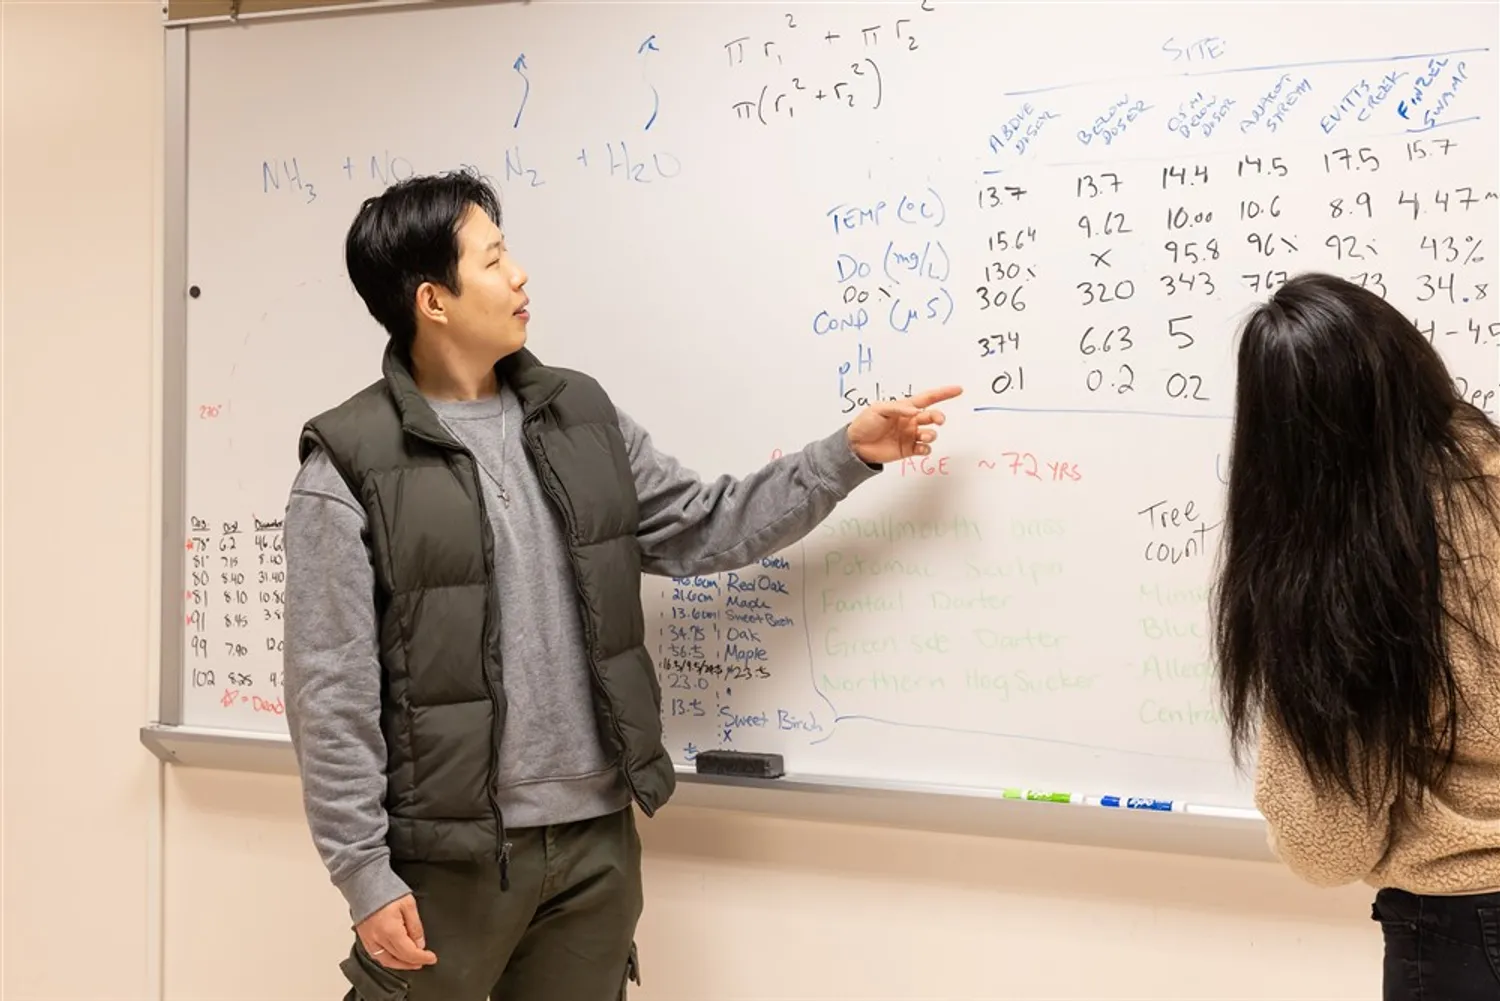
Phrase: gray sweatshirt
x=553 y=768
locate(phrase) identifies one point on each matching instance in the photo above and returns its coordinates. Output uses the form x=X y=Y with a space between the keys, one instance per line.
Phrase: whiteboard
x=748 y=220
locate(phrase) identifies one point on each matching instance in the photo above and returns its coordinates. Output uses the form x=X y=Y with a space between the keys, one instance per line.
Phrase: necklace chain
x=504 y=444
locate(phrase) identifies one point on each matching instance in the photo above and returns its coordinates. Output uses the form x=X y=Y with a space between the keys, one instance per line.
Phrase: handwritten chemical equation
x=287 y=175
x=626 y=161
x=805 y=68
x=632 y=154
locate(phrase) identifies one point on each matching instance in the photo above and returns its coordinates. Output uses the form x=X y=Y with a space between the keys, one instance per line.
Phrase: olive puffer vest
x=442 y=711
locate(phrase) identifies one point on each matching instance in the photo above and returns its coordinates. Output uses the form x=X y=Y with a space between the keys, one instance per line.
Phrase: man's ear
x=430 y=303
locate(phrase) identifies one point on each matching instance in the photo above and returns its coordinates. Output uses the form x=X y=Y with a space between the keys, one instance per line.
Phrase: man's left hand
x=892 y=430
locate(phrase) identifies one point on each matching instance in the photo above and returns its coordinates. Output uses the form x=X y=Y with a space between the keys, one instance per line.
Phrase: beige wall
x=743 y=908
x=81 y=91
x=739 y=907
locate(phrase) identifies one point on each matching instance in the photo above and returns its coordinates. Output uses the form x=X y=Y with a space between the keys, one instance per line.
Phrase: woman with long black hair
x=1355 y=614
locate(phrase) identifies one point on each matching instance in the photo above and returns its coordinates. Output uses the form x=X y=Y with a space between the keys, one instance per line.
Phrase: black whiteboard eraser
x=742 y=764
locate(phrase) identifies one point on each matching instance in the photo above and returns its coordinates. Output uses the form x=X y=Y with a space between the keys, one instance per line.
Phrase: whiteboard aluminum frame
x=248 y=17
x=174 y=377
x=832 y=799
x=931 y=807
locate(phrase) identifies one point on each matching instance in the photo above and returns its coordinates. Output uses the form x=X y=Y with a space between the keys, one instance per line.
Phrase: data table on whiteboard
x=750 y=221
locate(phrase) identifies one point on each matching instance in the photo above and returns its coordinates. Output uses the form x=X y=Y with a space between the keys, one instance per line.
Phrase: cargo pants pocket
x=369 y=981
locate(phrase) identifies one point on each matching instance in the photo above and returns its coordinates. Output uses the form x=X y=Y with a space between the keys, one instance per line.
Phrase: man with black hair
x=468 y=689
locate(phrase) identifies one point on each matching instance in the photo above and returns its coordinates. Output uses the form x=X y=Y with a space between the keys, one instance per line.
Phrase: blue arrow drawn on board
x=649 y=45
x=519 y=66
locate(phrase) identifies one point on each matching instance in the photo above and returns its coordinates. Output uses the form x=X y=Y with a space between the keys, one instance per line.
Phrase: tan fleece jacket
x=1452 y=846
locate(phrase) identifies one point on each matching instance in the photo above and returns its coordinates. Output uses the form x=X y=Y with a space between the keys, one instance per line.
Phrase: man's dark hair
x=408 y=235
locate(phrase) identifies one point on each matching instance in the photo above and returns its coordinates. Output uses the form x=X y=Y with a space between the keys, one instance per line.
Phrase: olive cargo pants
x=564 y=930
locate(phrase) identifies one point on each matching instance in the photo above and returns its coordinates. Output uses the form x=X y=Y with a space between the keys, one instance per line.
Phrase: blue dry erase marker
x=1142 y=803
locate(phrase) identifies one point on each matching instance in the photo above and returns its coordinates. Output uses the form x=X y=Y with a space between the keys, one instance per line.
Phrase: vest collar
x=535 y=383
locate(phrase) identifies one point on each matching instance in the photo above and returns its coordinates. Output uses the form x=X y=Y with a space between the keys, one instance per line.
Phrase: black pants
x=564 y=931
x=1440 y=948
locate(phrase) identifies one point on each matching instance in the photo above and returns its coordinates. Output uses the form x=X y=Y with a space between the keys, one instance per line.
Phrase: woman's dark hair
x=408 y=235
x=1357 y=503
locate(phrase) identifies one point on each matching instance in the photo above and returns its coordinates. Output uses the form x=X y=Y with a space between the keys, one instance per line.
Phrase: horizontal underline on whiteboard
x=1101 y=412
x=855 y=717
x=1247 y=69
x=1262 y=141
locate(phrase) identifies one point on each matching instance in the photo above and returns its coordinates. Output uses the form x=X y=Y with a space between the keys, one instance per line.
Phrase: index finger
x=928 y=397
